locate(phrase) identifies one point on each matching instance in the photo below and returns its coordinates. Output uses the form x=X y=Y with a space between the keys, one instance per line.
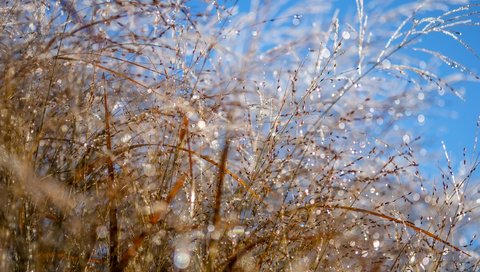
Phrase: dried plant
x=169 y=135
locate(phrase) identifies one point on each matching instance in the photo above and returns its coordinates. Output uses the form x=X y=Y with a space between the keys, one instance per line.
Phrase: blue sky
x=458 y=130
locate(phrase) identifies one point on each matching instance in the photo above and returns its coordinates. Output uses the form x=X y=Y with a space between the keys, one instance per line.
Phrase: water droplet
x=238 y=230
x=362 y=144
x=254 y=33
x=406 y=138
x=346 y=35
x=341 y=125
x=386 y=64
x=376 y=244
x=201 y=124
x=425 y=260
x=421 y=118
x=325 y=53
x=422 y=64
x=181 y=259
x=149 y=170
x=210 y=228
x=126 y=138
x=64 y=128
x=421 y=96
x=416 y=197
x=412 y=259
x=297 y=19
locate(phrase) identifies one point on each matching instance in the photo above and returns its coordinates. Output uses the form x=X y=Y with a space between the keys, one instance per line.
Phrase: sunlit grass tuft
x=182 y=135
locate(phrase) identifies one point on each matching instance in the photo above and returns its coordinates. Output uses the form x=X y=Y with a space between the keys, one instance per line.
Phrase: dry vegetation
x=167 y=135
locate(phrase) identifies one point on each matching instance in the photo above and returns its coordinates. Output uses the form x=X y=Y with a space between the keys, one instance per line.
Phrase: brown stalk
x=115 y=58
x=175 y=189
x=44 y=106
x=232 y=260
x=107 y=69
x=112 y=207
x=190 y=168
x=154 y=218
x=158 y=215
x=396 y=220
x=220 y=179
x=218 y=203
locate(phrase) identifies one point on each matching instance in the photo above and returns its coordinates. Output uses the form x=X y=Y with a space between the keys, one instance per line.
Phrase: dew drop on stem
x=297 y=19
